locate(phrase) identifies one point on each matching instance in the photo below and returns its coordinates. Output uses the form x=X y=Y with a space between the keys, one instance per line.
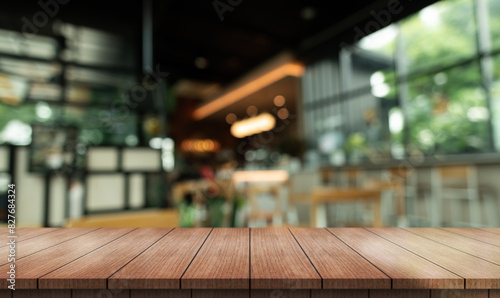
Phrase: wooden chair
x=352 y=177
x=392 y=186
x=455 y=184
x=325 y=195
x=257 y=215
x=300 y=186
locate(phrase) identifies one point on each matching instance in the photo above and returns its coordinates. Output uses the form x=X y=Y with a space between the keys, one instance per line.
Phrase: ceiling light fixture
x=263 y=122
x=289 y=69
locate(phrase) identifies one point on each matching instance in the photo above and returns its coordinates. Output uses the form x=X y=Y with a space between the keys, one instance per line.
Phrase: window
x=447 y=111
x=495 y=103
x=429 y=84
x=440 y=34
x=493 y=7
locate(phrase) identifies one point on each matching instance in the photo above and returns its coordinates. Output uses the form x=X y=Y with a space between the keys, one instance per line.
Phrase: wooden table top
x=267 y=258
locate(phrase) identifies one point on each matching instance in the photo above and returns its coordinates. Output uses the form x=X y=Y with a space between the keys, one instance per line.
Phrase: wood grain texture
x=280 y=294
x=471 y=246
x=34 y=266
x=339 y=265
x=459 y=293
x=5 y=293
x=494 y=293
x=278 y=262
x=25 y=234
x=92 y=270
x=477 y=234
x=160 y=293
x=42 y=294
x=100 y=294
x=162 y=265
x=220 y=294
x=401 y=293
x=339 y=294
x=491 y=230
x=222 y=263
x=43 y=241
x=407 y=270
x=479 y=274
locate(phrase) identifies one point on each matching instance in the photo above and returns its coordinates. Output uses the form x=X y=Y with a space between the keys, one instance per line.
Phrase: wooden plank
x=92 y=270
x=471 y=246
x=5 y=293
x=221 y=294
x=34 y=266
x=42 y=294
x=29 y=233
x=339 y=294
x=222 y=263
x=403 y=293
x=44 y=241
x=339 y=265
x=160 y=293
x=407 y=270
x=491 y=230
x=100 y=294
x=278 y=262
x=477 y=234
x=494 y=293
x=479 y=274
x=281 y=293
x=460 y=293
x=162 y=265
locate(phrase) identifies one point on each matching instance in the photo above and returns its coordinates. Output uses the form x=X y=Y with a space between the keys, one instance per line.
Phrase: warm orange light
x=200 y=146
x=283 y=113
x=231 y=118
x=260 y=176
x=252 y=111
x=254 y=125
x=289 y=69
x=279 y=101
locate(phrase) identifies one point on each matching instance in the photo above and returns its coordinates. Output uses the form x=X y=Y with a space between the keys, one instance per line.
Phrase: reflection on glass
x=447 y=112
x=439 y=34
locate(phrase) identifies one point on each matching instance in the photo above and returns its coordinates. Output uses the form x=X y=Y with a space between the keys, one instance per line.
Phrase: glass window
x=36 y=46
x=374 y=55
x=494 y=13
x=495 y=103
x=447 y=111
x=439 y=34
x=367 y=122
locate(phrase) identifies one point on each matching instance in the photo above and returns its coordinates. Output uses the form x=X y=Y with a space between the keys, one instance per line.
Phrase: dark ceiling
x=251 y=31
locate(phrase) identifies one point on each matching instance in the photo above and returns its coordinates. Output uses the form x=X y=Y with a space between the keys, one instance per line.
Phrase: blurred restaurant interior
x=232 y=113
